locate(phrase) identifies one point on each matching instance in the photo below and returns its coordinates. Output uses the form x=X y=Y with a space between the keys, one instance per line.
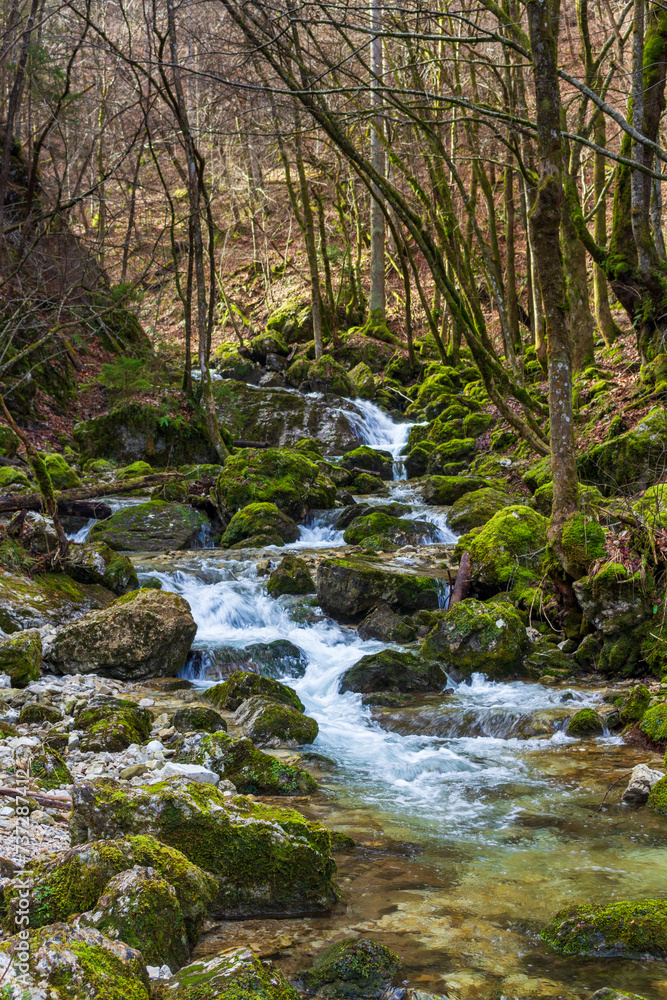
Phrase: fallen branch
x=626 y=775
x=64 y=805
x=251 y=444
x=462 y=582
x=366 y=472
x=34 y=501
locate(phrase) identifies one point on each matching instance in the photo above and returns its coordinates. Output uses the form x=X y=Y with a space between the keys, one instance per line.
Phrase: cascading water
x=376 y=429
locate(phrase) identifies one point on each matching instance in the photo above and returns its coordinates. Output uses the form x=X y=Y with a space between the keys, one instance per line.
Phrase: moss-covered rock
x=382 y=623
x=9 y=442
x=635 y=704
x=35 y=714
x=291 y=576
x=657 y=800
x=355 y=967
x=267 y=860
x=381 y=531
x=260 y=520
x=72 y=881
x=21 y=657
x=473 y=637
x=198 y=718
x=636 y=930
x=62 y=475
x=349 y=588
x=363 y=381
x=275 y=476
x=364 y=484
x=74 y=963
x=146 y=633
x=446 y=490
x=654 y=724
x=112 y=724
x=585 y=724
x=233 y=974
x=267 y=343
x=476 y=424
x=614 y=599
x=159 y=435
x=279 y=658
x=326 y=375
x=10 y=477
x=632 y=460
x=49 y=769
x=47 y=599
x=538 y=475
x=393 y=671
x=141 y=908
x=370 y=459
x=476 y=508
x=457 y=452
x=508 y=552
x=96 y=562
x=293 y=321
x=174 y=491
x=583 y=543
x=252 y=771
x=242 y=685
x=271 y=723
x=150 y=527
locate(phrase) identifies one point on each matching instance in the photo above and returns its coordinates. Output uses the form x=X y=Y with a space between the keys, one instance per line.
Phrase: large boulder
x=243 y=684
x=112 y=724
x=370 y=460
x=354 y=967
x=143 y=432
x=232 y=974
x=326 y=375
x=96 y=562
x=473 y=637
x=61 y=474
x=614 y=599
x=266 y=861
x=88 y=964
x=150 y=527
x=636 y=930
x=446 y=490
x=291 y=576
x=273 y=476
x=585 y=724
x=633 y=460
x=476 y=508
x=21 y=656
x=349 y=588
x=508 y=552
x=273 y=723
x=251 y=771
x=383 y=624
x=393 y=671
x=146 y=633
x=259 y=524
x=47 y=599
x=381 y=531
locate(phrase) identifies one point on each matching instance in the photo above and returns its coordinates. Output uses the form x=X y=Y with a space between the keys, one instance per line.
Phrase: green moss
x=252 y=771
x=630 y=460
x=458 y=452
x=474 y=509
x=197 y=718
x=366 y=485
x=382 y=531
x=327 y=375
x=36 y=714
x=351 y=968
x=476 y=424
x=292 y=576
x=21 y=657
x=538 y=475
x=171 y=492
x=50 y=769
x=135 y=470
x=370 y=459
x=635 y=930
x=150 y=527
x=62 y=475
x=393 y=671
x=657 y=800
x=12 y=477
x=363 y=381
x=473 y=637
x=509 y=551
x=446 y=490
x=112 y=724
x=635 y=704
x=583 y=543
x=654 y=724
x=293 y=320
x=585 y=724
x=242 y=685
x=273 y=475
x=259 y=519
x=270 y=722
x=235 y=974
x=9 y=442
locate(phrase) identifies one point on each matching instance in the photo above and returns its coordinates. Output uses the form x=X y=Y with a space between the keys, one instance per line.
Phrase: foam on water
x=378 y=430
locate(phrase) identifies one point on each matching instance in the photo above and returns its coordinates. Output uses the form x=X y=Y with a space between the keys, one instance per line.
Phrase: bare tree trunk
x=582 y=324
x=605 y=320
x=377 y=300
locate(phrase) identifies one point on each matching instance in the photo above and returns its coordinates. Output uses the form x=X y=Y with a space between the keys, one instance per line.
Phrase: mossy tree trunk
x=545 y=223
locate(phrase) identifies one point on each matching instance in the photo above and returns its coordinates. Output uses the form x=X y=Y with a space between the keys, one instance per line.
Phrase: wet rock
x=230 y=975
x=258 y=525
x=21 y=656
x=291 y=576
x=631 y=459
x=351 y=968
x=35 y=714
x=587 y=652
x=91 y=965
x=364 y=484
x=72 y=881
x=642 y=780
x=635 y=704
x=200 y=719
x=146 y=633
x=474 y=637
x=386 y=533
x=370 y=459
x=266 y=860
x=585 y=724
x=150 y=527
x=251 y=771
x=349 y=588
x=508 y=550
x=636 y=930
x=48 y=599
x=607 y=993
x=381 y=623
x=393 y=671
x=140 y=908
x=474 y=509
x=613 y=599
x=279 y=658
x=272 y=723
x=96 y=562
x=243 y=685
x=112 y=724
x=273 y=476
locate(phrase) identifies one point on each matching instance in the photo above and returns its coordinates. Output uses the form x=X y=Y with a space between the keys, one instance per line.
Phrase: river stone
x=371 y=460
x=585 y=724
x=642 y=780
x=146 y=633
x=92 y=966
x=112 y=724
x=273 y=723
x=473 y=637
x=48 y=599
x=382 y=531
x=381 y=623
x=154 y=526
x=198 y=718
x=252 y=771
x=291 y=576
x=259 y=521
x=232 y=974
x=636 y=930
x=349 y=588
x=476 y=508
x=508 y=551
x=97 y=562
x=354 y=967
x=140 y=908
x=277 y=476
x=243 y=684
x=21 y=657
x=191 y=772
x=279 y=658
x=267 y=861
x=393 y=671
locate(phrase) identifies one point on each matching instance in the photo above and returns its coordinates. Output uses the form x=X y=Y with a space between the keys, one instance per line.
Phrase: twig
x=626 y=775
x=63 y=804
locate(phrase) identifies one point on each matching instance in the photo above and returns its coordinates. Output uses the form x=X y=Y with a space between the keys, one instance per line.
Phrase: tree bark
x=377 y=300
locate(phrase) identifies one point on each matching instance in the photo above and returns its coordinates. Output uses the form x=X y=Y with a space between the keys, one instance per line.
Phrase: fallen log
x=462 y=582
x=84 y=508
x=251 y=444
x=65 y=805
x=366 y=472
x=34 y=501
